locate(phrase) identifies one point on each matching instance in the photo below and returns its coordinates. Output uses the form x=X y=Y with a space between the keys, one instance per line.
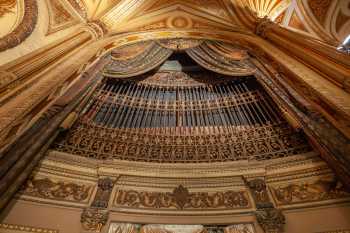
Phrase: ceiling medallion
x=179 y=22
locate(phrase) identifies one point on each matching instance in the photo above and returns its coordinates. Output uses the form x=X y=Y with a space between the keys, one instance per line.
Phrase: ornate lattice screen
x=171 y=115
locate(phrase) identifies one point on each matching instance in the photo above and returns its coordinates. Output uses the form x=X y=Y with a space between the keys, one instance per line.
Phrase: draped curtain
x=136 y=59
x=139 y=58
x=222 y=58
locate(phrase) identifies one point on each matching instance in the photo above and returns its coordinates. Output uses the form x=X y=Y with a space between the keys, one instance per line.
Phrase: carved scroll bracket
x=269 y=218
x=104 y=190
x=93 y=219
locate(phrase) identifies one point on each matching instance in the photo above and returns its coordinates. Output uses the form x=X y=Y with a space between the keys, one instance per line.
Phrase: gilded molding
x=8 y=228
x=24 y=29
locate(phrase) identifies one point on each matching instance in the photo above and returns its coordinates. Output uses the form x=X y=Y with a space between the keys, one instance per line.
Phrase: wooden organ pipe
x=94 y=106
x=241 y=115
x=139 y=107
x=111 y=100
x=121 y=107
x=251 y=110
x=101 y=105
x=136 y=105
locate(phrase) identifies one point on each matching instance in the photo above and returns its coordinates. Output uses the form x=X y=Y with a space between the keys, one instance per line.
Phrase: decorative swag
x=143 y=57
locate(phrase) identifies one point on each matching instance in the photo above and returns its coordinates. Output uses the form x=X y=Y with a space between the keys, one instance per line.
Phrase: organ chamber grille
x=175 y=116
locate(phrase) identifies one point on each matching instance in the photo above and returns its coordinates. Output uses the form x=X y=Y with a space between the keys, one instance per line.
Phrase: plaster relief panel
x=47 y=189
x=185 y=195
x=311 y=191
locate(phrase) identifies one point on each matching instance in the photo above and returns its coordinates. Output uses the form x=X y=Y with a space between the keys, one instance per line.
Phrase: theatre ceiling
x=304 y=16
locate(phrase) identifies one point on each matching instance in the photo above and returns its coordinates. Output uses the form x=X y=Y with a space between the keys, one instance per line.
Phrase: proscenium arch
x=259 y=48
x=327 y=91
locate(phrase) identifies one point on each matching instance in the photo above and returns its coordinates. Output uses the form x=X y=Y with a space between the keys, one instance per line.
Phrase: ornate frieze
x=57 y=190
x=308 y=191
x=181 y=199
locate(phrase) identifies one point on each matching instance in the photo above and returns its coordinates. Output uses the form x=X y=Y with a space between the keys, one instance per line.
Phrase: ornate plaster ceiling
x=327 y=20
x=323 y=19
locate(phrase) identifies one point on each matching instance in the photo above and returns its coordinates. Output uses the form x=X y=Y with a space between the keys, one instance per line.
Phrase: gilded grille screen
x=176 y=116
x=128 y=104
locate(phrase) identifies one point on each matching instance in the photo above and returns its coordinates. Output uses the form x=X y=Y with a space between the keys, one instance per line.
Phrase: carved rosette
x=270 y=219
x=93 y=219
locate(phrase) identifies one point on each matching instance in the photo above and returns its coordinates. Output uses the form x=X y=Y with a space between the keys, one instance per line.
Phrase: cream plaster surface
x=38 y=38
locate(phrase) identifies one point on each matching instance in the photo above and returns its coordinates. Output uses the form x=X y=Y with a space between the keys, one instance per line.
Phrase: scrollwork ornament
x=57 y=190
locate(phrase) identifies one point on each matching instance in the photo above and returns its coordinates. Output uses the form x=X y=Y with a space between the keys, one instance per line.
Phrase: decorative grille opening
x=181 y=112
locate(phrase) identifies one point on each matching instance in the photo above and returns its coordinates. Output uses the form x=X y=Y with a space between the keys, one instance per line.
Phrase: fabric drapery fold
x=136 y=59
x=222 y=58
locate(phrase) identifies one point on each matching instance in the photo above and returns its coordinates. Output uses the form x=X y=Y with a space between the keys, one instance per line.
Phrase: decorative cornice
x=24 y=29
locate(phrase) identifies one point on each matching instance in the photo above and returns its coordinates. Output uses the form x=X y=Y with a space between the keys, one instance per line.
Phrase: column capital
x=96 y=28
x=262 y=25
